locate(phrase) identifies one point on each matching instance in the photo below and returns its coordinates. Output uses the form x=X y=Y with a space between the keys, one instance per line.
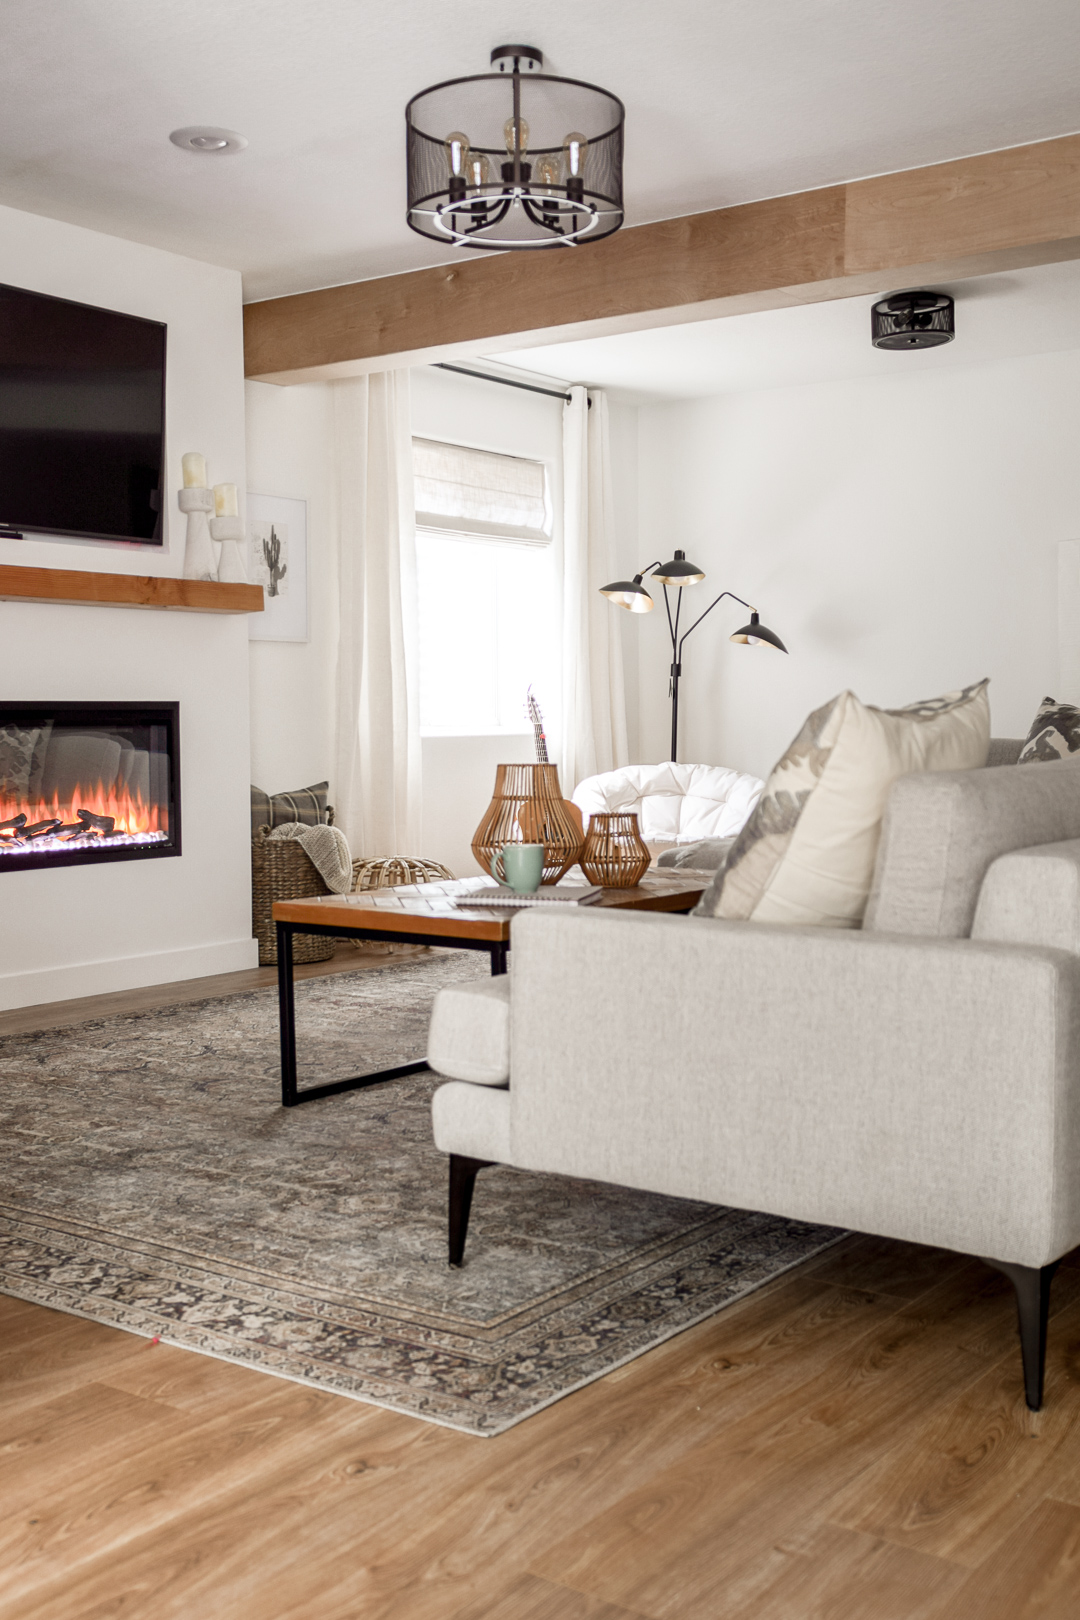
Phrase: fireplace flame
x=132 y=818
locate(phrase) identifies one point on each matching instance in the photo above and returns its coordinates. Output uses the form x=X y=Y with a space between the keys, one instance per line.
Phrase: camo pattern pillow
x=807 y=853
x=1054 y=734
x=22 y=758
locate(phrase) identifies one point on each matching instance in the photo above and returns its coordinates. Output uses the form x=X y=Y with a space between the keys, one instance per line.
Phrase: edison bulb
x=547 y=170
x=478 y=171
x=522 y=142
x=457 y=152
x=575 y=147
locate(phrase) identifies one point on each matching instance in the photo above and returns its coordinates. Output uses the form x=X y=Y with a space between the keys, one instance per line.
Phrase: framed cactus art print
x=277 y=560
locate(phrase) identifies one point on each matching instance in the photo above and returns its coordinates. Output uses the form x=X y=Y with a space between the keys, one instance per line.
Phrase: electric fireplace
x=88 y=782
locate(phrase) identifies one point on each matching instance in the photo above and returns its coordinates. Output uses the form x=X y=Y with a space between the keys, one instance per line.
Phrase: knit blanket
x=326 y=849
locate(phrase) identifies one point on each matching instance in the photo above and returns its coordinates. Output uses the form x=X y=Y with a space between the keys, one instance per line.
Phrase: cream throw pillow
x=806 y=855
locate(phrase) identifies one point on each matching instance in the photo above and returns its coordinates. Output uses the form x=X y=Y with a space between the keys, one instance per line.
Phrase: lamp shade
x=629 y=593
x=678 y=571
x=755 y=634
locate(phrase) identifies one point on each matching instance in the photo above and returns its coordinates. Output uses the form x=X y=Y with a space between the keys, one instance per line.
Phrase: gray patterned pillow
x=1054 y=734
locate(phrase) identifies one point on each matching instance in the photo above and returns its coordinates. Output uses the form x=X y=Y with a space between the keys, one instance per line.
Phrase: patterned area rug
x=152 y=1181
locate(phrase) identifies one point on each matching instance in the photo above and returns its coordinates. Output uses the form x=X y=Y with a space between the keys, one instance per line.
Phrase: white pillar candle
x=194 y=467
x=225 y=501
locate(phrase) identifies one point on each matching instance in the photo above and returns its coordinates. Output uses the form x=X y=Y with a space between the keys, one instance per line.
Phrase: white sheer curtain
x=376 y=786
x=593 y=698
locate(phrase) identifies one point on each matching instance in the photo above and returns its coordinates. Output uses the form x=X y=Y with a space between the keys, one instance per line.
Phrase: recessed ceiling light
x=204 y=138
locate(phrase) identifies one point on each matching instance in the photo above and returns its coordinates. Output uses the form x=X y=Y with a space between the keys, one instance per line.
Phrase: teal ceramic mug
x=519 y=867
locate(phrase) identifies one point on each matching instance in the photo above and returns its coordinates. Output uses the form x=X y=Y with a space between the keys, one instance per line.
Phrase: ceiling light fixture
x=515 y=158
x=913 y=320
x=205 y=139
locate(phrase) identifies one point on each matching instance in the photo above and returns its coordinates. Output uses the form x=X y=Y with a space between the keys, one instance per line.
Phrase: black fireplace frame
x=13 y=712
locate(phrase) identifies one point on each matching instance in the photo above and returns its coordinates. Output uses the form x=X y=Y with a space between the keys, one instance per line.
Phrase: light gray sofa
x=918 y=1078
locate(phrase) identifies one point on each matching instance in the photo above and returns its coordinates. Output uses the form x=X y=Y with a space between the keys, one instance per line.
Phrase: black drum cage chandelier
x=515 y=158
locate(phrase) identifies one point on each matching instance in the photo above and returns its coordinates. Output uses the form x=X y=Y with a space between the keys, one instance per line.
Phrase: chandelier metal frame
x=468 y=210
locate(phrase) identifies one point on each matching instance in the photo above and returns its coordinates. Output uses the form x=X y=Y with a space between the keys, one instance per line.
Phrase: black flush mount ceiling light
x=679 y=572
x=912 y=320
x=515 y=158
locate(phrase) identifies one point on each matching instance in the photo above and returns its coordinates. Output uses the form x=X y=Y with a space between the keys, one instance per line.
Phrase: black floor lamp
x=631 y=594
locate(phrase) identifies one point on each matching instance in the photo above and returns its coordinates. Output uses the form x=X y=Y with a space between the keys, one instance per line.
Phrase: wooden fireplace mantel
x=126 y=590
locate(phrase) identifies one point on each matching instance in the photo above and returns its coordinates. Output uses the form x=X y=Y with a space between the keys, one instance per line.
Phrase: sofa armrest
x=919 y=1088
x=1032 y=897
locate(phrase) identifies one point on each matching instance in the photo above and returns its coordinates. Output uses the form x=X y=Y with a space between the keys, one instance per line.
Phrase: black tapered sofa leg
x=1032 y=1284
x=463 y=1173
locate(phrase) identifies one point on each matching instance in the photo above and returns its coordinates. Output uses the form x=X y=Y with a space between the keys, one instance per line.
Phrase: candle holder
x=199 y=559
x=232 y=569
x=615 y=854
x=528 y=808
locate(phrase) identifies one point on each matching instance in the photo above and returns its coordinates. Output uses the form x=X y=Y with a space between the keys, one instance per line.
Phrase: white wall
x=289 y=452
x=900 y=535
x=80 y=930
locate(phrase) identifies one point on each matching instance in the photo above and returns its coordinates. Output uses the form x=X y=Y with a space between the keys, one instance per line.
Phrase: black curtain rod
x=507 y=382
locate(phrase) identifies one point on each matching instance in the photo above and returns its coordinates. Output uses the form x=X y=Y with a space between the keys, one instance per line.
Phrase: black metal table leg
x=286 y=1015
x=291 y=1095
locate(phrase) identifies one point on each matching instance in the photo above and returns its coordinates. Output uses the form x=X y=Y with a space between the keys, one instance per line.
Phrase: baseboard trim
x=78 y=979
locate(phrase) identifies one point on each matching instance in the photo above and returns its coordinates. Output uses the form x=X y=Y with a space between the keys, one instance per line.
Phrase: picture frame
x=277 y=560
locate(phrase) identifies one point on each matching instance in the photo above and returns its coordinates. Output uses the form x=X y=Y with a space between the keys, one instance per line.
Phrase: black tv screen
x=82 y=419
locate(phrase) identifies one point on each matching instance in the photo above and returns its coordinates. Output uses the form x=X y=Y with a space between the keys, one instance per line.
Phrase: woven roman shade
x=476 y=492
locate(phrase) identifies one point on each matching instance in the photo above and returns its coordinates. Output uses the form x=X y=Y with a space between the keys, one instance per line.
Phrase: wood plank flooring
x=850 y=1443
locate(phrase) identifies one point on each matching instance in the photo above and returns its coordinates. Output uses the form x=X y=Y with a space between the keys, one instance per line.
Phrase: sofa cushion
x=806 y=855
x=941 y=833
x=1004 y=750
x=473 y=1121
x=305 y=805
x=469 y=1033
x=1054 y=734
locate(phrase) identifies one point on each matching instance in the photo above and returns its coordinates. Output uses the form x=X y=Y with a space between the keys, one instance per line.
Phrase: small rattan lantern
x=615 y=853
x=528 y=808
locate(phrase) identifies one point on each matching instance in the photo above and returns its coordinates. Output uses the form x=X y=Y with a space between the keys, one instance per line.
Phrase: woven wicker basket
x=281 y=871
x=388 y=873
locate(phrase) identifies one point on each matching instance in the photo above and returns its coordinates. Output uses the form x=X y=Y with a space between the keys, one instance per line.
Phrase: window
x=485 y=569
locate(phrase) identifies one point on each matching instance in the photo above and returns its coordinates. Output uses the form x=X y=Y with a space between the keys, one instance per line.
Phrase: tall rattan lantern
x=515 y=158
x=528 y=808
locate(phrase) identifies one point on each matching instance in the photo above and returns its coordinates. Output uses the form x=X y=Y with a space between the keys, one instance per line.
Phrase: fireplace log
x=101 y=824
x=16 y=824
x=41 y=829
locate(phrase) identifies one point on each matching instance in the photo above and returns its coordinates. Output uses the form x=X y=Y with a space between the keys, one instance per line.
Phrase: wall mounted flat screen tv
x=82 y=419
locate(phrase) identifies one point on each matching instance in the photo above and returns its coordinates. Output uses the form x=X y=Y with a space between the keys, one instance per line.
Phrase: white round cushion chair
x=675 y=804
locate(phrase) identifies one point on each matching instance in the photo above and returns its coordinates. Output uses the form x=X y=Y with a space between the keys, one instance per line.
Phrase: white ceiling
x=1018 y=312
x=727 y=101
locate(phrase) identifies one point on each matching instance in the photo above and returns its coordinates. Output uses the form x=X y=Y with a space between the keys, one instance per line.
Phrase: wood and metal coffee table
x=426 y=914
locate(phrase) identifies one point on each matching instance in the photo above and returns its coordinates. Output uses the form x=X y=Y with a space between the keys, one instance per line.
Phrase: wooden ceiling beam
x=1001 y=210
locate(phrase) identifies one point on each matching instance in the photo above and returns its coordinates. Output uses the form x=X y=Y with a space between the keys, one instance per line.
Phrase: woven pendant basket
x=528 y=808
x=615 y=853
x=390 y=873
x=281 y=871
